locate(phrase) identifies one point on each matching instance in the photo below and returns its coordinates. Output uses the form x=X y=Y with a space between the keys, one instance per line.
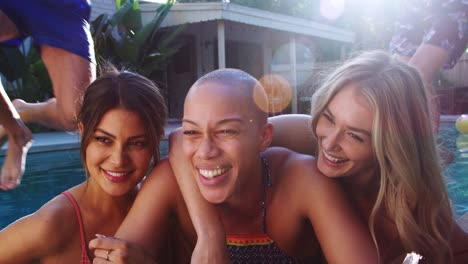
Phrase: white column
x=198 y=51
x=221 y=45
x=342 y=52
x=267 y=54
x=293 y=68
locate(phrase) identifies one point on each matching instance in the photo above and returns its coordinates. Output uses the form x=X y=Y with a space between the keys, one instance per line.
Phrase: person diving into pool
x=61 y=31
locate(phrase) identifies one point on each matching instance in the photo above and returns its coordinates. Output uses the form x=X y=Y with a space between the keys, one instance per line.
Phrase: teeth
x=116 y=174
x=333 y=159
x=212 y=173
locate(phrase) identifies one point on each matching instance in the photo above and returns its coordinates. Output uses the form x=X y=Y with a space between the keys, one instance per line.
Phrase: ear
x=266 y=136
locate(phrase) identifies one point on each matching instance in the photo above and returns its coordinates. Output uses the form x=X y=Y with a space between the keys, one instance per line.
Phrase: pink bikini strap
x=80 y=222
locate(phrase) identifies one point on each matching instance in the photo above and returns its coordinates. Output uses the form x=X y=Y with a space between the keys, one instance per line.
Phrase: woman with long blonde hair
x=371 y=125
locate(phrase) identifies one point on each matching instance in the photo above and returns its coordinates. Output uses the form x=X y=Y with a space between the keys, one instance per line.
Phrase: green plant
x=124 y=41
x=25 y=76
x=24 y=73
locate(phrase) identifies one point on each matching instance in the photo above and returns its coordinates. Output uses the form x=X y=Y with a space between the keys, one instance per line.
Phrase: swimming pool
x=50 y=173
x=457 y=171
x=47 y=175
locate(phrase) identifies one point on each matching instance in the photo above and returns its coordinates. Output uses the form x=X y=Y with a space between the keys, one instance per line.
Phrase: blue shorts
x=62 y=24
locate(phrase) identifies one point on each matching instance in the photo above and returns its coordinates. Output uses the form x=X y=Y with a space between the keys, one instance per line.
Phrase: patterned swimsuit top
x=259 y=248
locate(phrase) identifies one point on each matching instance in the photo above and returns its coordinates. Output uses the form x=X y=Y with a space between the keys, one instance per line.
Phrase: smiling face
x=344 y=135
x=223 y=136
x=118 y=153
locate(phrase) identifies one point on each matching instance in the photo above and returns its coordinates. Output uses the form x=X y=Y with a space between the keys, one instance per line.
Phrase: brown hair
x=127 y=90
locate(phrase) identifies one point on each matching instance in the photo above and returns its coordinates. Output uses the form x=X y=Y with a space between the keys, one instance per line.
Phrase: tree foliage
x=123 y=40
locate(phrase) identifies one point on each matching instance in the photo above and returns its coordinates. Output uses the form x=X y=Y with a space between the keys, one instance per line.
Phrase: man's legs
x=20 y=139
x=19 y=136
x=70 y=75
x=8 y=29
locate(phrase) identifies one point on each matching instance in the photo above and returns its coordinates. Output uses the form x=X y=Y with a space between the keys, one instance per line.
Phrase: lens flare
x=332 y=9
x=278 y=91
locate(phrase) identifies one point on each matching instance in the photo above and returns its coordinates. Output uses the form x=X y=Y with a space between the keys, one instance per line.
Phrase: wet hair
x=129 y=91
x=244 y=82
x=411 y=185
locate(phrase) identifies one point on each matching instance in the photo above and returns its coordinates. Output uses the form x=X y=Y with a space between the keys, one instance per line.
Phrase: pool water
x=50 y=173
x=456 y=172
x=47 y=175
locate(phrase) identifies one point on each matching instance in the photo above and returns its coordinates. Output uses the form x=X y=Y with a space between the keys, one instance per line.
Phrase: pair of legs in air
x=70 y=74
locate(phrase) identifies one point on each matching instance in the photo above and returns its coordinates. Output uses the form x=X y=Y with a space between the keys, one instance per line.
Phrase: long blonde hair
x=412 y=190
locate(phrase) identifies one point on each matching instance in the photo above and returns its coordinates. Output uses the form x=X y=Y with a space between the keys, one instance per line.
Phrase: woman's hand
x=114 y=250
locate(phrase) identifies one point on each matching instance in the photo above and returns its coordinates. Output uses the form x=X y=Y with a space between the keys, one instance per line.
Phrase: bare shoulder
x=160 y=189
x=162 y=171
x=293 y=166
x=56 y=220
x=298 y=175
x=161 y=178
x=42 y=233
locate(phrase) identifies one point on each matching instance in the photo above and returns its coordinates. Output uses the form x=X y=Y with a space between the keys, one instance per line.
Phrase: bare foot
x=15 y=160
x=19 y=105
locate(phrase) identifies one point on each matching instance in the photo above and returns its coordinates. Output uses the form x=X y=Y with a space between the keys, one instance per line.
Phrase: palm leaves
x=24 y=73
x=123 y=40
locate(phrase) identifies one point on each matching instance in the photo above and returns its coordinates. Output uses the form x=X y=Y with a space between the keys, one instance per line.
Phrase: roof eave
x=186 y=13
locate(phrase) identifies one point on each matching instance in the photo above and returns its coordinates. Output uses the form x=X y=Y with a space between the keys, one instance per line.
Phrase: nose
x=207 y=148
x=331 y=141
x=119 y=156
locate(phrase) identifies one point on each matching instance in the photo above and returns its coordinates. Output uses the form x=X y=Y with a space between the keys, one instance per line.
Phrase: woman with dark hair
x=121 y=122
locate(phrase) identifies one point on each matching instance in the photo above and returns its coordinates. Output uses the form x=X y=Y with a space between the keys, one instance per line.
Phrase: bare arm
x=293 y=131
x=35 y=236
x=144 y=233
x=211 y=241
x=344 y=238
x=429 y=59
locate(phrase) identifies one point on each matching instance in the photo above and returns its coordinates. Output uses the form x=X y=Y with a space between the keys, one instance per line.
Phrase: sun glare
x=332 y=9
